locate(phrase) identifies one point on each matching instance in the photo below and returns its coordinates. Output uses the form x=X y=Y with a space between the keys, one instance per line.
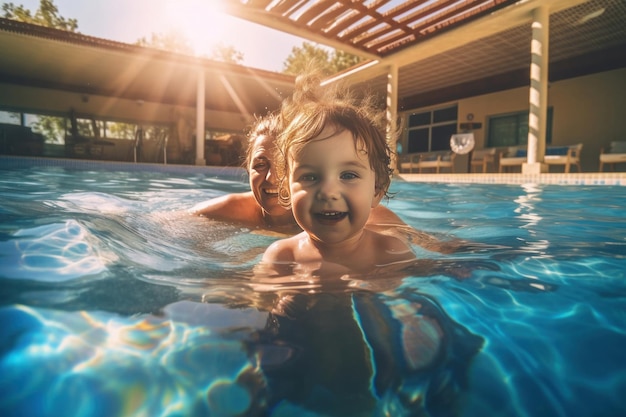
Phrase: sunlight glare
x=201 y=22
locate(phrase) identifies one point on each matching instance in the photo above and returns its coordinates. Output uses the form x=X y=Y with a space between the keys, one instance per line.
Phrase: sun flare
x=202 y=22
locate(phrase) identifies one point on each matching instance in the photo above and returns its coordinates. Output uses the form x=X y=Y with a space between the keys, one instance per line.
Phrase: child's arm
x=385 y=221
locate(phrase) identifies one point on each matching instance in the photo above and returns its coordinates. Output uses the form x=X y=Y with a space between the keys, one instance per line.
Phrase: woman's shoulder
x=390 y=246
x=236 y=207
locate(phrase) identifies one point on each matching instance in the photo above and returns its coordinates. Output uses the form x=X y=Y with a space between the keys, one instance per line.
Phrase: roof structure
x=444 y=50
x=451 y=49
x=49 y=58
x=371 y=28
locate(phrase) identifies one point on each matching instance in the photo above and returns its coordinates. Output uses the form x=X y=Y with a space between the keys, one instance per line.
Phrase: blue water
x=115 y=302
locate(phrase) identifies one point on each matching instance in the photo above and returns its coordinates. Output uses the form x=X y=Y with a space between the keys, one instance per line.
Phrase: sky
x=199 y=20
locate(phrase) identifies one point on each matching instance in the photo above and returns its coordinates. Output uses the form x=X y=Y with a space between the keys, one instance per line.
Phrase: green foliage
x=172 y=41
x=51 y=127
x=343 y=60
x=175 y=41
x=119 y=130
x=308 y=57
x=226 y=53
x=47 y=15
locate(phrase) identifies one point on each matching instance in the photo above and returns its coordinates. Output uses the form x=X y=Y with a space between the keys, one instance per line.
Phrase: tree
x=175 y=41
x=309 y=56
x=343 y=60
x=53 y=128
x=226 y=53
x=172 y=41
x=47 y=15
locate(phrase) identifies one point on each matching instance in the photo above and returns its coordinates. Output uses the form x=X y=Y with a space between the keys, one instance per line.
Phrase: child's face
x=332 y=187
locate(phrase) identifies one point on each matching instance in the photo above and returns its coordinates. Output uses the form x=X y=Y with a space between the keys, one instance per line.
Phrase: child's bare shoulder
x=282 y=250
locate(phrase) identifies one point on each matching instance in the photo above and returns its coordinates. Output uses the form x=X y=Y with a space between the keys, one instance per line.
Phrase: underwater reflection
x=87 y=364
x=333 y=353
x=353 y=353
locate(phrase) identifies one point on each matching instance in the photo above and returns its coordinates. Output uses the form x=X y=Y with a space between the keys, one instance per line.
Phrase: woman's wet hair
x=269 y=126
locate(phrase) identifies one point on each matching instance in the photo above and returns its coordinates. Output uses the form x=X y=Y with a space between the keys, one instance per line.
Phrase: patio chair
x=555 y=155
x=564 y=155
x=482 y=158
x=428 y=160
x=514 y=156
x=616 y=155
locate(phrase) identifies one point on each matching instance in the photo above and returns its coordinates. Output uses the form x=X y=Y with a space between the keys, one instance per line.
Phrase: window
x=10 y=117
x=512 y=129
x=52 y=128
x=431 y=130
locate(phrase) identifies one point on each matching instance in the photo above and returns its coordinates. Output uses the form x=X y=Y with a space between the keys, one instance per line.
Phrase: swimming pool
x=116 y=302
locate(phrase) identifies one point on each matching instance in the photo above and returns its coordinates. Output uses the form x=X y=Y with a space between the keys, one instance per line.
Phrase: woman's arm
x=240 y=207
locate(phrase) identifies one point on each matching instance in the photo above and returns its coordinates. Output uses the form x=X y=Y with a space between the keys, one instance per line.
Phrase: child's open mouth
x=331 y=216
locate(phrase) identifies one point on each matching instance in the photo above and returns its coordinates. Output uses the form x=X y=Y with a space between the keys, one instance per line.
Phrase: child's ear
x=378 y=196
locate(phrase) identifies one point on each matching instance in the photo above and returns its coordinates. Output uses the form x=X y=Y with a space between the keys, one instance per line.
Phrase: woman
x=259 y=207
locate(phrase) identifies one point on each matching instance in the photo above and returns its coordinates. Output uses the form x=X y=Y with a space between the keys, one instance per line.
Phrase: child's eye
x=349 y=176
x=307 y=177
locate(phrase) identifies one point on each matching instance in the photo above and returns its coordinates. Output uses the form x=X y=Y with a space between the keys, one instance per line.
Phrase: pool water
x=116 y=302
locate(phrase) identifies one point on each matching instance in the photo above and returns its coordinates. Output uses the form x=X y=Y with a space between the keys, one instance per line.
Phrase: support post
x=200 y=111
x=392 y=114
x=538 y=99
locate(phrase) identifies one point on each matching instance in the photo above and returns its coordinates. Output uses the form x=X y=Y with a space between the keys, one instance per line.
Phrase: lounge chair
x=555 y=155
x=616 y=155
x=564 y=155
x=428 y=160
x=514 y=156
x=482 y=158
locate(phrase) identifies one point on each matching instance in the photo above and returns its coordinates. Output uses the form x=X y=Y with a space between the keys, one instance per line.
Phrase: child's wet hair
x=312 y=108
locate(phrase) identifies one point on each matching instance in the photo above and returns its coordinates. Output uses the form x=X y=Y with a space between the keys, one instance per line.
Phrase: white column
x=392 y=112
x=200 y=119
x=538 y=98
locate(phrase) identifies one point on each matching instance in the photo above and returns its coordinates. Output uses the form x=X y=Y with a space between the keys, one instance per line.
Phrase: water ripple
x=54 y=252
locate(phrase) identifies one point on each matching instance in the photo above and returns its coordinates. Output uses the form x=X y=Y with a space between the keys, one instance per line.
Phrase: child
x=333 y=161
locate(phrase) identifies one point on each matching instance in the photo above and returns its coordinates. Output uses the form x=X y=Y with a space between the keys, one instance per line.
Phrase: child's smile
x=331 y=217
x=332 y=187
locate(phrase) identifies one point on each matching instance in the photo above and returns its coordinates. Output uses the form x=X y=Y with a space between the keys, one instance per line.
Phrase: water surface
x=114 y=302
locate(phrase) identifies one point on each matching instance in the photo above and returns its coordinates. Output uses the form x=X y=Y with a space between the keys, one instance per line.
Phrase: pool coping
x=8 y=161
x=576 y=178
x=583 y=178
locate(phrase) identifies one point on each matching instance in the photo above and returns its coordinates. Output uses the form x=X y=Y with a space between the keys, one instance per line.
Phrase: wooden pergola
x=418 y=51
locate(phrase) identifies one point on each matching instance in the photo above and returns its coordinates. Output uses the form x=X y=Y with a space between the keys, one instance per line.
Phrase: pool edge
x=584 y=178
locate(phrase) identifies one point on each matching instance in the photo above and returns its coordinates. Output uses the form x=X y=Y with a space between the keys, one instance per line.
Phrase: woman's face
x=263 y=181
